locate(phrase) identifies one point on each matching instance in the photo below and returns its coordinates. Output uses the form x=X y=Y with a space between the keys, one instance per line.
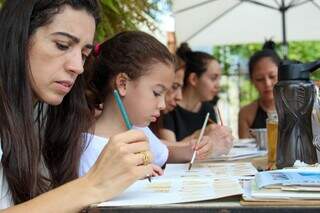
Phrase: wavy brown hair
x=130 y=52
x=22 y=142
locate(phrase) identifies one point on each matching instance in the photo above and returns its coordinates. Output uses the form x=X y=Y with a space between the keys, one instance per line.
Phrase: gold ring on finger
x=146 y=158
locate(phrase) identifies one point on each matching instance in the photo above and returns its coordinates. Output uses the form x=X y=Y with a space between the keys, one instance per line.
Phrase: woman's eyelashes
x=61 y=46
x=64 y=47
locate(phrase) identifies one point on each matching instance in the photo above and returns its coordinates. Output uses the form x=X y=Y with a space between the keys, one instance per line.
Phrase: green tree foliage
x=120 y=15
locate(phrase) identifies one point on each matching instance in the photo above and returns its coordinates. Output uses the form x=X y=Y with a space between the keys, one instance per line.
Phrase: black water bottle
x=294 y=97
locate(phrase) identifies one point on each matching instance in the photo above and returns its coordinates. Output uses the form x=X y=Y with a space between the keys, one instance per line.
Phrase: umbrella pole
x=284 y=45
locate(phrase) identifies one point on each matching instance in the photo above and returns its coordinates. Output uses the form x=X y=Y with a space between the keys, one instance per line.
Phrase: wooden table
x=223 y=205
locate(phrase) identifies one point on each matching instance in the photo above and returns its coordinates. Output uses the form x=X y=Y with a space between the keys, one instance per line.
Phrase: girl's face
x=57 y=53
x=174 y=94
x=145 y=96
x=264 y=77
x=208 y=85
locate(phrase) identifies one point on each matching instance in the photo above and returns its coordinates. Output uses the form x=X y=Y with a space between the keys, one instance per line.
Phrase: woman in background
x=263 y=71
x=201 y=84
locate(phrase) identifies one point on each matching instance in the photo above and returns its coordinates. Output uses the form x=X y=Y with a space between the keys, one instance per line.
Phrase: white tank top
x=95 y=144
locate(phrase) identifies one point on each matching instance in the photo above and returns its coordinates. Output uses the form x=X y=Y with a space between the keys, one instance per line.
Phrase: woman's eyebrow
x=73 y=38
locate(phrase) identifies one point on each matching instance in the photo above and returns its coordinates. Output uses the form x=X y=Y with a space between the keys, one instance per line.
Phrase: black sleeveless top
x=183 y=122
x=260 y=119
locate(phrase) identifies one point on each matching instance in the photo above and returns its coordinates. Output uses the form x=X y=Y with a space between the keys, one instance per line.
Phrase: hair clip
x=96 y=50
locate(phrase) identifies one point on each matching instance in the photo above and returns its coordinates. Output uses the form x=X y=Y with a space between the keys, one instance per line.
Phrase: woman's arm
x=182 y=151
x=179 y=152
x=71 y=197
x=246 y=117
x=167 y=135
x=243 y=125
x=117 y=167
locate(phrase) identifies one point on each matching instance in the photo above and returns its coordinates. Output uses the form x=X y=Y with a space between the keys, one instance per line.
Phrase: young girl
x=201 y=84
x=141 y=69
x=43 y=47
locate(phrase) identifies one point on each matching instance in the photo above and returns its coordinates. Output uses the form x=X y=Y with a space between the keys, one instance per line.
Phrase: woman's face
x=57 y=52
x=264 y=77
x=145 y=96
x=174 y=94
x=208 y=85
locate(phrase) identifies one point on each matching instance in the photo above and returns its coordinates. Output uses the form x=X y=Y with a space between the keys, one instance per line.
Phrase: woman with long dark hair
x=263 y=72
x=43 y=111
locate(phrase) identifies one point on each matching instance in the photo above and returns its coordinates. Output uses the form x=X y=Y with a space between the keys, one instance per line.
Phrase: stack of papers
x=288 y=177
x=178 y=185
x=300 y=184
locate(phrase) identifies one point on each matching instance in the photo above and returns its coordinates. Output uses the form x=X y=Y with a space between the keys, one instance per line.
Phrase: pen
x=124 y=113
x=122 y=109
x=199 y=139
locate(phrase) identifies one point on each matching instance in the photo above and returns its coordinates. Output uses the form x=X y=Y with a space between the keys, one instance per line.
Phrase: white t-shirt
x=95 y=144
x=5 y=195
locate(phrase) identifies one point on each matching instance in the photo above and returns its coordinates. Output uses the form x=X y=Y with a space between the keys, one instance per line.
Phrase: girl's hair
x=28 y=136
x=196 y=61
x=268 y=51
x=130 y=52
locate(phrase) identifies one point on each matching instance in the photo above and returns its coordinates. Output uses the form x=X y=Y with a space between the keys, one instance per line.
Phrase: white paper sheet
x=245 y=142
x=178 y=185
x=237 y=153
x=236 y=170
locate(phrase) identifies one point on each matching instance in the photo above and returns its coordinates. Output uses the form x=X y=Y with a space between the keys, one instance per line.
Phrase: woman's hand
x=221 y=137
x=203 y=148
x=120 y=164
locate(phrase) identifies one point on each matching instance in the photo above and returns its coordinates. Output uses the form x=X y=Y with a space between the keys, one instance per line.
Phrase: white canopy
x=204 y=23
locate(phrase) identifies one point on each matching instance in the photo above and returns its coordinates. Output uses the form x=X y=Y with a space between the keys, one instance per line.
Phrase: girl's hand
x=120 y=164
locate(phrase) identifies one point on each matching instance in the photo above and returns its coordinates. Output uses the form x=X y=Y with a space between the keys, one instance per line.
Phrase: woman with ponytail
x=263 y=71
x=201 y=84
